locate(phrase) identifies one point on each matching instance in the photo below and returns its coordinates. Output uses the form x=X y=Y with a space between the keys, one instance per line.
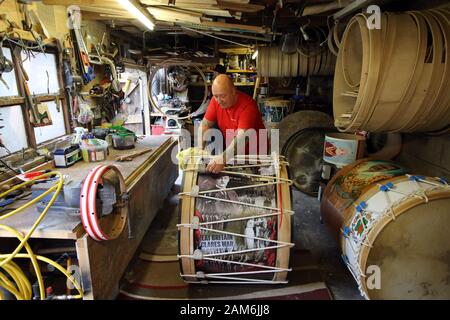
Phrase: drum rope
x=231 y=188
x=236 y=262
x=209 y=255
x=389 y=187
x=252 y=165
x=241 y=280
x=286 y=244
x=245 y=174
x=242 y=272
x=241 y=203
x=202 y=275
x=232 y=220
x=238 y=282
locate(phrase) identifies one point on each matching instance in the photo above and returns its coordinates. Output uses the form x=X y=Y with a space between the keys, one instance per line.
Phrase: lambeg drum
x=235 y=227
x=392 y=229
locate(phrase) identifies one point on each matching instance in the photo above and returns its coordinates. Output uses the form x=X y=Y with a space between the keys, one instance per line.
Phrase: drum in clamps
x=392 y=229
x=235 y=226
x=273 y=111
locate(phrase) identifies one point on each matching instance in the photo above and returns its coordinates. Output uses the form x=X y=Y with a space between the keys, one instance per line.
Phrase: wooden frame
x=20 y=100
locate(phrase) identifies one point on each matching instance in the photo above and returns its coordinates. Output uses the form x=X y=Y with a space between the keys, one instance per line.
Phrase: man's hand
x=216 y=164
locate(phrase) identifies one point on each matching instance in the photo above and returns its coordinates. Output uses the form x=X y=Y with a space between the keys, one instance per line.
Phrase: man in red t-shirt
x=232 y=110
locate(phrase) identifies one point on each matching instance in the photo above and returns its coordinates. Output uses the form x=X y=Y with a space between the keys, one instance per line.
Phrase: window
x=56 y=129
x=45 y=88
x=10 y=79
x=14 y=137
x=41 y=69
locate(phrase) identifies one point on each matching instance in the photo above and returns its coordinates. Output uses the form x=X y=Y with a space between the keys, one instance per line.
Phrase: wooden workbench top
x=60 y=225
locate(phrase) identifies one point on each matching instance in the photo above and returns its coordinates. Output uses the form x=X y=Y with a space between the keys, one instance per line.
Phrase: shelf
x=241 y=71
x=241 y=84
x=200 y=84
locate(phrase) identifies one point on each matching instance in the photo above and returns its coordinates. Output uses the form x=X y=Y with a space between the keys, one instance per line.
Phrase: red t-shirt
x=243 y=115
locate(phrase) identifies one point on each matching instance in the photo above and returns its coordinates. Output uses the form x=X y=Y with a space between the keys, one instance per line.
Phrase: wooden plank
x=93 y=16
x=229 y=5
x=199 y=5
x=11 y=101
x=217 y=13
x=175 y=15
x=105 y=10
x=235 y=27
x=81 y=2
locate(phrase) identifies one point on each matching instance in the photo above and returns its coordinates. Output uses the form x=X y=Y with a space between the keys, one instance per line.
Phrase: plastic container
x=123 y=141
x=94 y=150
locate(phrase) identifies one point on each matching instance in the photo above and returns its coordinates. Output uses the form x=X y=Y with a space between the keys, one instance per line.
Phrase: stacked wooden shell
x=394 y=79
x=274 y=63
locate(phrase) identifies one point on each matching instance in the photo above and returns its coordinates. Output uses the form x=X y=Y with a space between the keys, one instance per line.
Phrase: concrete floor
x=312 y=236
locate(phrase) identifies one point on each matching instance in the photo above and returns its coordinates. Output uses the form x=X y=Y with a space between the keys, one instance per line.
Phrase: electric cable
x=17 y=283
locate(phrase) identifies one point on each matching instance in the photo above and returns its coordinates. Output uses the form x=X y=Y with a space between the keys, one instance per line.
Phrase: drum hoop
x=402 y=206
x=186 y=244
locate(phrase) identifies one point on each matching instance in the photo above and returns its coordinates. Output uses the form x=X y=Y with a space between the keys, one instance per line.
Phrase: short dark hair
x=220 y=69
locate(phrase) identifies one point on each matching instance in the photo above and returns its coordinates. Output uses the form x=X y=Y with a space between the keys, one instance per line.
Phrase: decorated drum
x=235 y=227
x=391 y=226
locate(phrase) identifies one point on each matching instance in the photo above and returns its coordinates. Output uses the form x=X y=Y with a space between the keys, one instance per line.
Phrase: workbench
x=148 y=177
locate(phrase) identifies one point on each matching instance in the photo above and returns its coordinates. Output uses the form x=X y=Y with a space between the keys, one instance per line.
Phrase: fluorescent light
x=255 y=54
x=135 y=9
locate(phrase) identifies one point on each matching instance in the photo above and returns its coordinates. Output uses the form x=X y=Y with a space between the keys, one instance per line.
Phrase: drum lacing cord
x=241 y=203
x=194 y=225
x=202 y=275
x=421 y=191
x=195 y=192
x=245 y=174
x=252 y=165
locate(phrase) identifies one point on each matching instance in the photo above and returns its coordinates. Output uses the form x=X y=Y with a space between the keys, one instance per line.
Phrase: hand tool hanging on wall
x=5 y=65
x=81 y=52
x=28 y=98
x=27 y=22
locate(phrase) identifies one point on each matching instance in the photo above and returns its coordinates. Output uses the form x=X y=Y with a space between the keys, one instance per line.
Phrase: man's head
x=224 y=91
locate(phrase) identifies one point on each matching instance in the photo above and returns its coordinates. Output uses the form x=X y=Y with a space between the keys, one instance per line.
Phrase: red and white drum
x=236 y=226
x=392 y=230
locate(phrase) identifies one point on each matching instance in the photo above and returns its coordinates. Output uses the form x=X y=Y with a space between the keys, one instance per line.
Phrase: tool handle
x=130 y=156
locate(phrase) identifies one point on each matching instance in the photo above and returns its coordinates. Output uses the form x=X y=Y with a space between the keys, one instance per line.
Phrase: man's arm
x=218 y=163
x=202 y=129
